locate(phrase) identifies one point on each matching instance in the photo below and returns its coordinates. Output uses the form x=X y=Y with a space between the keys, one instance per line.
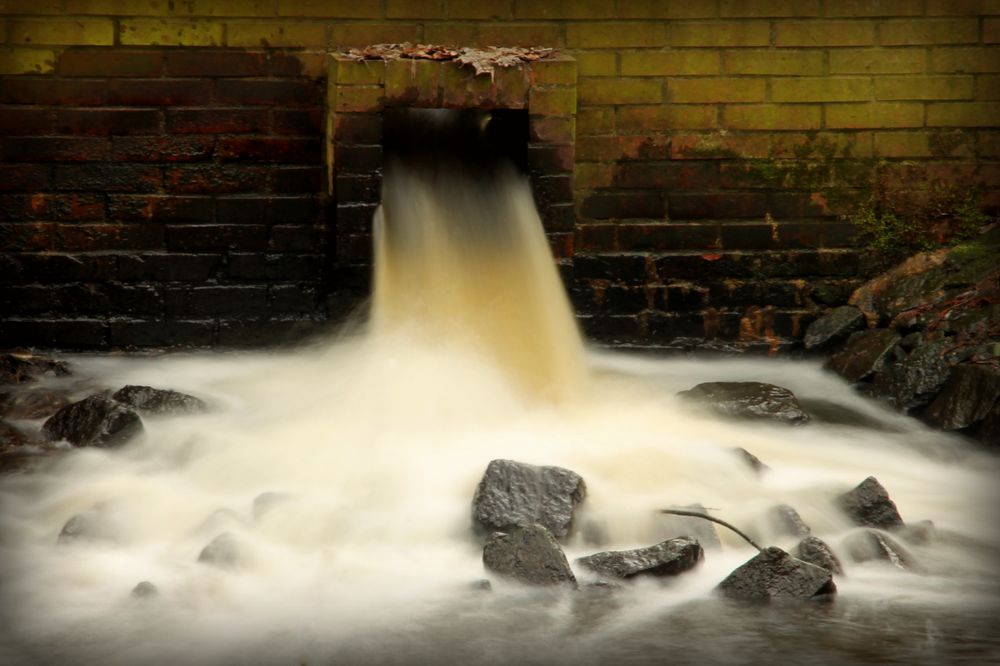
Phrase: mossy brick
x=270 y=34
x=520 y=34
x=878 y=61
x=988 y=87
x=636 y=147
x=680 y=62
x=687 y=175
x=450 y=32
x=825 y=89
x=359 y=98
x=928 y=31
x=991 y=31
x=659 y=9
x=555 y=71
x=357 y=72
x=821 y=146
x=345 y=35
x=552 y=130
x=858 y=8
x=720 y=33
x=963 y=114
x=596 y=63
x=548 y=159
x=563 y=9
x=608 y=35
x=718 y=145
x=595 y=120
x=875 y=115
x=461 y=88
x=412 y=82
x=620 y=91
x=767 y=8
x=592 y=175
x=414 y=9
x=902 y=144
x=777 y=62
x=716 y=89
x=552 y=101
x=824 y=33
x=477 y=9
x=246 y=8
x=510 y=87
x=923 y=87
x=667 y=117
x=330 y=9
x=26 y=60
x=94 y=32
x=167 y=32
x=965 y=59
x=771 y=116
x=119 y=7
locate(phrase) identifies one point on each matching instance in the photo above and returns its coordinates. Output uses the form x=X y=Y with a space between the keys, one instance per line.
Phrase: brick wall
x=161 y=166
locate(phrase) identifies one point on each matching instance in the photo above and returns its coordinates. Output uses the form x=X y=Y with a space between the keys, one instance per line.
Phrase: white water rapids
x=373 y=444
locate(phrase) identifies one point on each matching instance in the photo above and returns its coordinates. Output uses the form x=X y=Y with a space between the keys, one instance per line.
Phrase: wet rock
x=989 y=430
x=513 y=494
x=967 y=397
x=223 y=551
x=748 y=400
x=786 y=521
x=869 y=505
x=815 y=551
x=921 y=532
x=864 y=354
x=752 y=460
x=870 y=545
x=704 y=531
x=668 y=558
x=915 y=380
x=528 y=554
x=11 y=437
x=833 y=327
x=481 y=585
x=36 y=404
x=774 y=574
x=917 y=280
x=148 y=400
x=20 y=369
x=94 y=421
x=144 y=590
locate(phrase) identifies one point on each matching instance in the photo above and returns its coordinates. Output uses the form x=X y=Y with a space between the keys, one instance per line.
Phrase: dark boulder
x=785 y=520
x=748 y=400
x=833 y=328
x=815 y=551
x=20 y=369
x=869 y=505
x=35 y=404
x=774 y=574
x=870 y=545
x=668 y=558
x=223 y=551
x=513 y=494
x=916 y=281
x=94 y=421
x=864 y=354
x=11 y=437
x=915 y=380
x=148 y=400
x=528 y=554
x=967 y=397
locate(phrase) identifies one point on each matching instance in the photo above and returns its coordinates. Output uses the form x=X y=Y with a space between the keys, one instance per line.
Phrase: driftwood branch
x=704 y=516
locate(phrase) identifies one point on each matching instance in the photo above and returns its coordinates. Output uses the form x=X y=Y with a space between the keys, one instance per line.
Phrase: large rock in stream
x=833 y=327
x=864 y=354
x=915 y=380
x=869 y=545
x=528 y=554
x=149 y=400
x=94 y=421
x=774 y=574
x=968 y=397
x=816 y=551
x=668 y=558
x=869 y=505
x=748 y=400
x=513 y=494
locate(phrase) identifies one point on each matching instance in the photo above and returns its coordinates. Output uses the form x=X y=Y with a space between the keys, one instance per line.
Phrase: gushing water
x=343 y=475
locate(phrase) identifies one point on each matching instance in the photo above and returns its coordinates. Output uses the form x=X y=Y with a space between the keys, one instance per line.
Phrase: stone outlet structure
x=202 y=172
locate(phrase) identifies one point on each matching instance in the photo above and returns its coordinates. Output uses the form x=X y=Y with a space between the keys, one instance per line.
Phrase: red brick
x=109 y=237
x=684 y=206
x=159 y=92
x=217 y=121
x=46 y=90
x=25 y=122
x=269 y=150
x=162 y=149
x=304 y=179
x=215 y=62
x=684 y=175
x=14 y=207
x=157 y=208
x=23 y=177
x=665 y=236
x=295 y=121
x=111 y=62
x=209 y=179
x=62 y=149
x=107 y=178
x=104 y=122
x=268 y=92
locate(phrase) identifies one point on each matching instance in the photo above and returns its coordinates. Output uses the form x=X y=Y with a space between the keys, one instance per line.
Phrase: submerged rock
x=668 y=558
x=513 y=494
x=148 y=400
x=774 y=574
x=816 y=551
x=144 y=590
x=786 y=521
x=20 y=369
x=748 y=400
x=96 y=524
x=35 y=404
x=752 y=460
x=869 y=505
x=969 y=395
x=94 y=421
x=223 y=551
x=11 y=437
x=528 y=554
x=833 y=327
x=915 y=380
x=868 y=545
x=864 y=354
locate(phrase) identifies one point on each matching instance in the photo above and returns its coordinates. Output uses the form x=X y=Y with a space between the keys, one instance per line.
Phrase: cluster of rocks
x=924 y=337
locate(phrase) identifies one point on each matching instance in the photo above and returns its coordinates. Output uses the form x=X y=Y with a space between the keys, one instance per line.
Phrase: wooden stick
x=695 y=514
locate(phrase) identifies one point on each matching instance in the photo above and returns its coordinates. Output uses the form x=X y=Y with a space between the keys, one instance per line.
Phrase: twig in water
x=695 y=514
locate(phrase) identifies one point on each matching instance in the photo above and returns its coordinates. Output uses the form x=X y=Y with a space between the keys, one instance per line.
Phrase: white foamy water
x=345 y=473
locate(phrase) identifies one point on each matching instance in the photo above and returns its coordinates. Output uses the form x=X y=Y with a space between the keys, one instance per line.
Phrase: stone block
x=874 y=115
x=686 y=62
x=611 y=35
x=780 y=62
x=169 y=32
